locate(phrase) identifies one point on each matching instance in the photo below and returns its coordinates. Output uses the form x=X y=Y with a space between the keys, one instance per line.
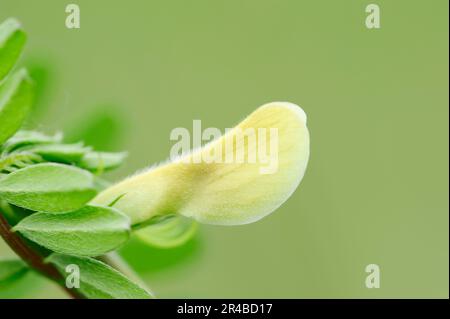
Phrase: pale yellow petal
x=221 y=192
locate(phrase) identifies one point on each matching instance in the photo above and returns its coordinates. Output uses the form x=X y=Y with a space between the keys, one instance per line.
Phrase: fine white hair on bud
x=236 y=179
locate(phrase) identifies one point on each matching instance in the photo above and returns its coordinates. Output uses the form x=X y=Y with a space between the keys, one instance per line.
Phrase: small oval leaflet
x=61 y=153
x=16 y=99
x=98 y=280
x=48 y=187
x=12 y=40
x=90 y=231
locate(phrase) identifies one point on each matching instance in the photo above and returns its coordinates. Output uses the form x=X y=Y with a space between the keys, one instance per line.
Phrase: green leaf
x=48 y=187
x=16 y=99
x=90 y=231
x=11 y=271
x=170 y=232
x=63 y=153
x=99 y=162
x=98 y=280
x=12 y=40
x=27 y=138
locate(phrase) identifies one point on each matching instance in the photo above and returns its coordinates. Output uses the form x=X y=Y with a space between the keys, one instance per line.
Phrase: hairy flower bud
x=238 y=184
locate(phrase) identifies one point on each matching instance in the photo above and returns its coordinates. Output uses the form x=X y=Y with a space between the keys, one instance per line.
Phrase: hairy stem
x=32 y=258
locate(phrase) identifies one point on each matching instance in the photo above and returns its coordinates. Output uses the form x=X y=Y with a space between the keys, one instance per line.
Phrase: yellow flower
x=229 y=181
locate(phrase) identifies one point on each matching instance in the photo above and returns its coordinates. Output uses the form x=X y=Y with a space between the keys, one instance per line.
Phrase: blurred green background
x=376 y=189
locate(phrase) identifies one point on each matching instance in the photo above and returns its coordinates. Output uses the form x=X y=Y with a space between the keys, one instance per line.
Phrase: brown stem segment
x=32 y=258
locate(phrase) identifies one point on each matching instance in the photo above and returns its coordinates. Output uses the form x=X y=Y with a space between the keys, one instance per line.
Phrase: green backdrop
x=376 y=189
